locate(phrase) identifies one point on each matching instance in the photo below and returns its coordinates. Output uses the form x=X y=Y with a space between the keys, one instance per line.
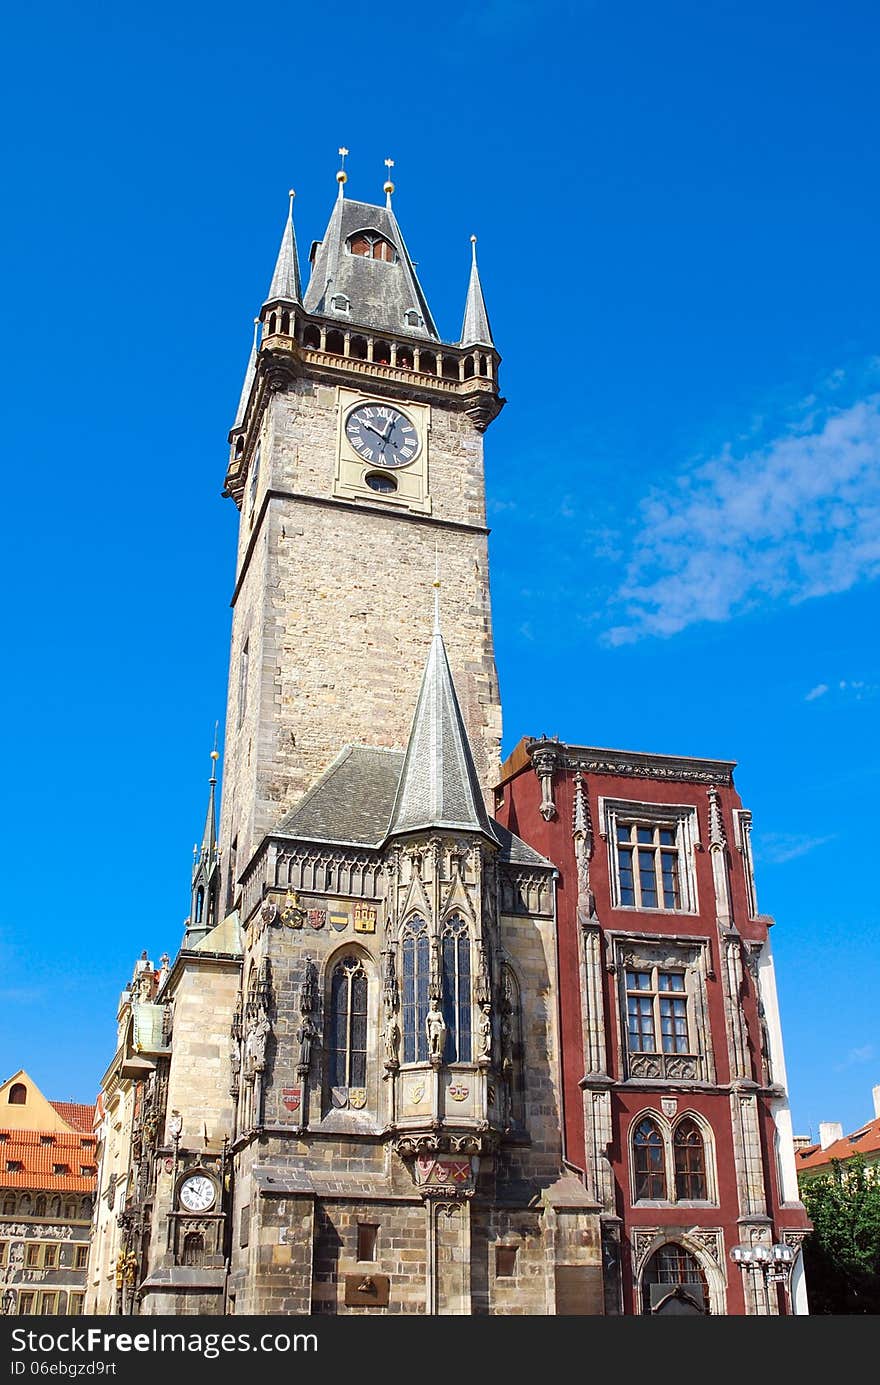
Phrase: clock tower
x=356 y=462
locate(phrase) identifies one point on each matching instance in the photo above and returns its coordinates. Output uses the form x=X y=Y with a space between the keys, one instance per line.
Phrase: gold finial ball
x=342 y=176
x=215 y=754
x=435 y=584
x=388 y=187
x=473 y=240
x=290 y=192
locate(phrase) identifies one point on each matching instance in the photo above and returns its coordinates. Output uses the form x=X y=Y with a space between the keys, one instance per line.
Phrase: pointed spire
x=342 y=176
x=717 y=835
x=438 y=783
x=388 y=186
x=581 y=827
x=475 y=329
x=209 y=836
x=250 y=372
x=285 y=283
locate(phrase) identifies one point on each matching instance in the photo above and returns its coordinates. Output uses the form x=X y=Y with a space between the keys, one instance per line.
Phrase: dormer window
x=412 y=319
x=371 y=246
x=340 y=304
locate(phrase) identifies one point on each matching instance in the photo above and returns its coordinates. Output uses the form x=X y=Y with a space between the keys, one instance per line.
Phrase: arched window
x=9 y=1205
x=456 y=955
x=348 y=1024
x=336 y=343
x=690 y=1162
x=55 y=1207
x=200 y=903
x=312 y=337
x=193 y=1248
x=40 y=1207
x=371 y=246
x=416 y=975
x=649 y=1161
x=85 y=1210
x=70 y=1211
x=672 y=1281
x=17 y=1094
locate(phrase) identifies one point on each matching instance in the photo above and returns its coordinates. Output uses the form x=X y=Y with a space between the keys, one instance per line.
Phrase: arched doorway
x=673 y=1283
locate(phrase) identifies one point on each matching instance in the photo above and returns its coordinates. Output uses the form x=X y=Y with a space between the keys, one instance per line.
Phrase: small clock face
x=381 y=435
x=197 y=1193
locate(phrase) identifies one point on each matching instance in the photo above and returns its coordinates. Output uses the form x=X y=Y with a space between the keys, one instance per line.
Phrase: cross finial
x=215 y=755
x=389 y=186
x=342 y=176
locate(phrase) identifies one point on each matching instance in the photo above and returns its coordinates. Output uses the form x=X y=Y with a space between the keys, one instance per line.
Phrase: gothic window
x=371 y=246
x=649 y=1162
x=690 y=1162
x=9 y=1206
x=17 y=1094
x=670 y=1268
x=193 y=1248
x=456 y=960
x=348 y=1024
x=651 y=848
x=416 y=976
x=40 y=1207
x=657 y=1017
x=200 y=903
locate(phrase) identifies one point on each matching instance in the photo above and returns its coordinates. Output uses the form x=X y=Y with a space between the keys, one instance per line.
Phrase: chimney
x=829 y=1131
x=875 y=1092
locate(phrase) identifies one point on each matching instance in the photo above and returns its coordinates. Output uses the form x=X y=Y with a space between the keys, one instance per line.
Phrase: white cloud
x=855 y=689
x=795 y=518
x=778 y=848
x=819 y=691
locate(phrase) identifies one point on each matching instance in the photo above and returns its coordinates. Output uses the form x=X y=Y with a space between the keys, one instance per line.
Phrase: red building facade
x=675 y=1104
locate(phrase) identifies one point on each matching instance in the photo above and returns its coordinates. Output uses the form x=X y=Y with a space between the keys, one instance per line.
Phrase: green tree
x=842 y=1255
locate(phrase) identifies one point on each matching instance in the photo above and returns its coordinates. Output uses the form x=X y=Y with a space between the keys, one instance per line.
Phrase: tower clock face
x=197 y=1193
x=381 y=435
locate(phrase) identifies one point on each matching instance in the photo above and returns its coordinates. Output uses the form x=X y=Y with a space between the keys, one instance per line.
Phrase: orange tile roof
x=38 y=1160
x=76 y=1113
x=865 y=1140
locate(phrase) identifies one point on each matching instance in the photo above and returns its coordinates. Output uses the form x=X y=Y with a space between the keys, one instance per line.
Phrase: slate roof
x=351 y=805
x=380 y=293
x=438 y=783
x=285 y=283
x=475 y=329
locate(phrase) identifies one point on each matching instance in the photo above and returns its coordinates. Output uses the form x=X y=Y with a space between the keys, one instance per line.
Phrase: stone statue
x=305 y=1036
x=392 y=1041
x=484 y=1033
x=257 y=1043
x=435 y=1028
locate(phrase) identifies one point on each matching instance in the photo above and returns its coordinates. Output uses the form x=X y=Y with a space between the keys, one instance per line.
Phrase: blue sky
x=677 y=214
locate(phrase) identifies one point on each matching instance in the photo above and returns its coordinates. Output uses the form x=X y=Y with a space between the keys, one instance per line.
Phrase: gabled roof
x=438 y=783
x=77 y=1114
x=379 y=292
x=865 y=1140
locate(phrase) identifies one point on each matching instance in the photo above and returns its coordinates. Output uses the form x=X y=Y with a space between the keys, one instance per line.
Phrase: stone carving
x=544 y=762
x=390 y=992
x=391 y=1040
x=582 y=833
x=257 y=1039
x=269 y=912
x=305 y=1037
x=435 y=1028
x=484 y=1035
x=642 y=1241
x=711 y=1242
x=483 y=982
